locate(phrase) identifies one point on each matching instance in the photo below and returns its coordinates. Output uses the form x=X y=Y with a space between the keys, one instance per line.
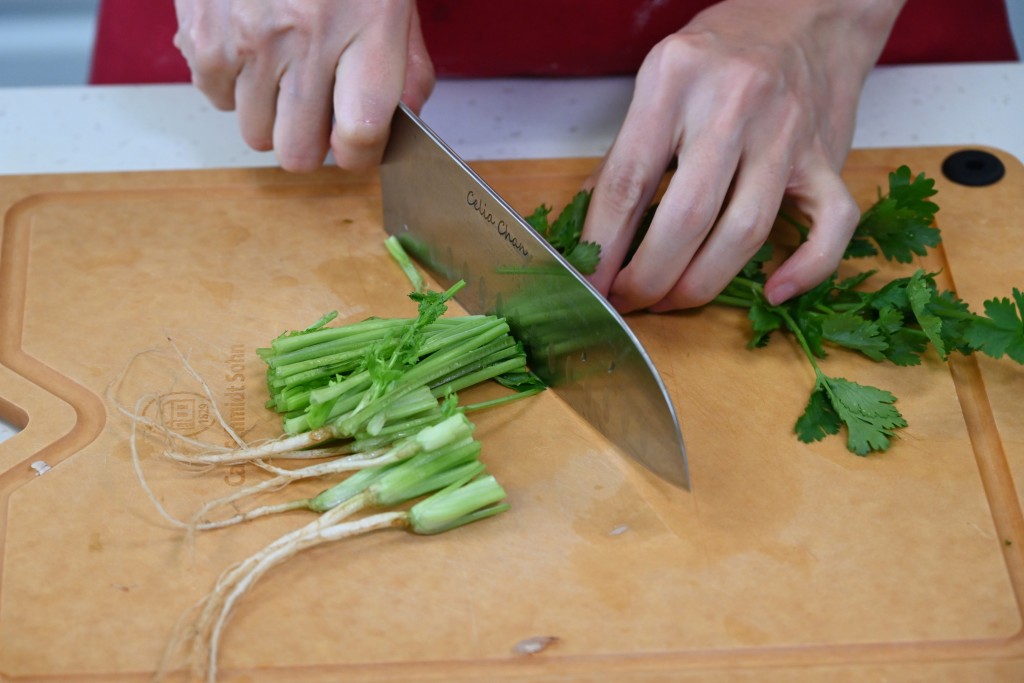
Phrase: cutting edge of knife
x=571 y=270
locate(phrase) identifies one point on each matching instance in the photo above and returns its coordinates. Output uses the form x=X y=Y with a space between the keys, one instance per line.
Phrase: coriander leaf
x=538 y=220
x=584 y=257
x=892 y=295
x=854 y=281
x=754 y=270
x=920 y=292
x=1001 y=330
x=956 y=318
x=522 y=380
x=763 y=321
x=900 y=223
x=853 y=332
x=432 y=305
x=905 y=345
x=868 y=413
x=819 y=419
x=564 y=233
x=859 y=247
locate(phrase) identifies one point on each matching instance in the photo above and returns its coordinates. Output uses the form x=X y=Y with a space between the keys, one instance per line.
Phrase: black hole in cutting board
x=973 y=167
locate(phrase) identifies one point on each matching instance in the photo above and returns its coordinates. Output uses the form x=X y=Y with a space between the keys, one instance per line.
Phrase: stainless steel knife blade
x=459 y=228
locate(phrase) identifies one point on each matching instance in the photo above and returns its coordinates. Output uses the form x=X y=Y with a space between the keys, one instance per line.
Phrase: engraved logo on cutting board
x=234 y=405
x=182 y=412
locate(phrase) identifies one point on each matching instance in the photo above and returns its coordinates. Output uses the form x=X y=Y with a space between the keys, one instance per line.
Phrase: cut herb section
x=896 y=323
x=564 y=234
x=371 y=409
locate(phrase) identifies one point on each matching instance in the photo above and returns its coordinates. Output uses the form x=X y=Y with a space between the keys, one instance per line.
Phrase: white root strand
x=269 y=560
x=137 y=465
x=209 y=395
x=232 y=457
x=285 y=477
x=262 y=451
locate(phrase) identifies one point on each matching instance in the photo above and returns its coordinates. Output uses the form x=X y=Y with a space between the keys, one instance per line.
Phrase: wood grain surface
x=786 y=561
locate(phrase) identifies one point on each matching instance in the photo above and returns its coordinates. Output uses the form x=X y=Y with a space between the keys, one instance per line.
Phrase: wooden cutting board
x=785 y=562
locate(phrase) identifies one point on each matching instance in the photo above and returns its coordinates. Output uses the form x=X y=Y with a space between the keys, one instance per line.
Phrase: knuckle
x=208 y=56
x=749 y=237
x=690 y=292
x=623 y=188
x=696 y=215
x=847 y=212
x=679 y=53
x=750 y=226
x=639 y=292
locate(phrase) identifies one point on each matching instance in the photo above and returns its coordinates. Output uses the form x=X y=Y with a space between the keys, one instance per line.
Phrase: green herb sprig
x=895 y=323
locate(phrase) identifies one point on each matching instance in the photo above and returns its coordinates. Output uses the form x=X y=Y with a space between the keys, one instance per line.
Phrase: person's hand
x=756 y=100
x=308 y=75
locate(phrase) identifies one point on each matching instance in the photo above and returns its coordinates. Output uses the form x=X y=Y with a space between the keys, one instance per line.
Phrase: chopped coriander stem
x=287 y=344
x=482 y=375
x=357 y=382
x=394 y=247
x=347 y=489
x=445 y=361
x=357 y=334
x=338 y=358
x=426 y=472
x=457 y=334
x=497 y=350
x=412 y=404
x=495 y=402
x=457 y=505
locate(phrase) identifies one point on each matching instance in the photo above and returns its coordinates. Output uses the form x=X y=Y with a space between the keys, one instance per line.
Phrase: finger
x=256 y=92
x=834 y=215
x=213 y=60
x=302 y=127
x=737 y=235
x=685 y=216
x=419 y=69
x=628 y=178
x=368 y=85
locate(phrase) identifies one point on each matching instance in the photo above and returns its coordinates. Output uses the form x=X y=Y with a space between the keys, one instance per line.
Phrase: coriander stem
x=800 y=227
x=746 y=282
x=727 y=300
x=798 y=333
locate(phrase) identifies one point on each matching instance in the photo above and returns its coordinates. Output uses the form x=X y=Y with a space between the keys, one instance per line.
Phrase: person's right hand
x=308 y=75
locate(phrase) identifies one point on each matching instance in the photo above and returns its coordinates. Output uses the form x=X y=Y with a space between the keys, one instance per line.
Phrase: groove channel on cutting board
x=89 y=413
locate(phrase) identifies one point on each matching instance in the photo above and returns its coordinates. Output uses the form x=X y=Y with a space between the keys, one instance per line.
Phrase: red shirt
x=490 y=38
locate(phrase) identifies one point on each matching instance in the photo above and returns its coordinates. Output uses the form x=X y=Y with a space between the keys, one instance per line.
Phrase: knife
x=447 y=217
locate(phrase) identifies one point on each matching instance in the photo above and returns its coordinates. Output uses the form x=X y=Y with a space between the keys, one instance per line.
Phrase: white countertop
x=117 y=128
x=162 y=127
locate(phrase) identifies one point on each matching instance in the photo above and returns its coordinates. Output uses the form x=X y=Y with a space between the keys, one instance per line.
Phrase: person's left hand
x=757 y=101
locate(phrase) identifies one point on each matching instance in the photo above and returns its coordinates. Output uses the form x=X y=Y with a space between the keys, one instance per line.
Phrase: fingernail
x=780 y=294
